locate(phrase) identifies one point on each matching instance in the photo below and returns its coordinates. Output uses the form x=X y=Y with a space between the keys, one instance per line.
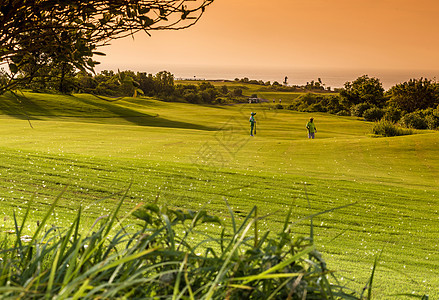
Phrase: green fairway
x=192 y=156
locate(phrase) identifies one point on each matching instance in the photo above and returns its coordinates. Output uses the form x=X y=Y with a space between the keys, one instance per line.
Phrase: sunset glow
x=316 y=34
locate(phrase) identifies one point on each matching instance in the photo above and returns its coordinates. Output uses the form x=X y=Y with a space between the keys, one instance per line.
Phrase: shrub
x=278 y=106
x=317 y=103
x=392 y=114
x=373 y=114
x=333 y=104
x=415 y=94
x=317 y=107
x=343 y=113
x=222 y=100
x=432 y=121
x=388 y=128
x=414 y=120
x=359 y=109
x=237 y=92
x=192 y=97
x=307 y=99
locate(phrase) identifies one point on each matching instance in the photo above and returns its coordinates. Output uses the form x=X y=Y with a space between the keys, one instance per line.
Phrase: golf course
x=371 y=198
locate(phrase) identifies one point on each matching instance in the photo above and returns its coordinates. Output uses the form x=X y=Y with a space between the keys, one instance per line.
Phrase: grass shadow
x=139 y=118
x=87 y=109
x=21 y=107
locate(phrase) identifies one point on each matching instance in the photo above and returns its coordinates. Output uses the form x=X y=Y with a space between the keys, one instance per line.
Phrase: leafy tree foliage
x=358 y=109
x=318 y=103
x=392 y=114
x=414 y=95
x=363 y=90
x=164 y=83
x=374 y=114
x=3 y=77
x=314 y=85
x=421 y=119
x=204 y=92
x=34 y=34
x=252 y=81
x=224 y=89
x=414 y=120
x=130 y=84
x=237 y=92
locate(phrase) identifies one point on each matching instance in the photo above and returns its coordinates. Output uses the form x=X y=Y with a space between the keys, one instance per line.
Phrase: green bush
x=414 y=120
x=392 y=114
x=432 y=121
x=318 y=107
x=431 y=117
x=167 y=256
x=317 y=103
x=373 y=114
x=359 y=109
x=388 y=128
x=416 y=94
x=343 y=113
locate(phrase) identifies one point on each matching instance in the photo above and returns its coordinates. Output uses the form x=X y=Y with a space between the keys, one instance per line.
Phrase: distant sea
x=334 y=78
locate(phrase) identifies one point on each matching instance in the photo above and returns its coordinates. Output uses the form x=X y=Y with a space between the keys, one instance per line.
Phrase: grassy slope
x=194 y=154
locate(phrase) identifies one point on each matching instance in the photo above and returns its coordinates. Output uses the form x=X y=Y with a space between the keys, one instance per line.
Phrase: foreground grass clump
x=387 y=128
x=167 y=257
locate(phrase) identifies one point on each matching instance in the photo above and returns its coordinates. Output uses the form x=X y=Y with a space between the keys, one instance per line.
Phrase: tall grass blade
x=422 y=297
x=178 y=279
x=232 y=216
x=256 y=227
x=80 y=293
x=369 y=283
x=49 y=291
x=369 y=290
x=116 y=211
x=311 y=227
x=277 y=267
x=323 y=212
x=225 y=265
x=19 y=230
x=272 y=295
x=188 y=284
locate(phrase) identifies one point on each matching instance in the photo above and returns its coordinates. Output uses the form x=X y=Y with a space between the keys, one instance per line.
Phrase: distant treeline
x=317 y=86
x=160 y=85
x=128 y=83
x=412 y=104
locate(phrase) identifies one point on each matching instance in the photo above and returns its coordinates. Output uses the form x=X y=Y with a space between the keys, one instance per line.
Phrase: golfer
x=252 y=123
x=311 y=128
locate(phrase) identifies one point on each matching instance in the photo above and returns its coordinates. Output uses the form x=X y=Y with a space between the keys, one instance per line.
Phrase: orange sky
x=357 y=34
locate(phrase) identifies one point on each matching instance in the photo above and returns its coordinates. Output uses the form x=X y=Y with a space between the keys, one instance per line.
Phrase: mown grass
x=195 y=155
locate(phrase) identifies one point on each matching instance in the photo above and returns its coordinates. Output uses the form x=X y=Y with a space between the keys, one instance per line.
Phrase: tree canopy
x=364 y=89
x=66 y=34
x=414 y=95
